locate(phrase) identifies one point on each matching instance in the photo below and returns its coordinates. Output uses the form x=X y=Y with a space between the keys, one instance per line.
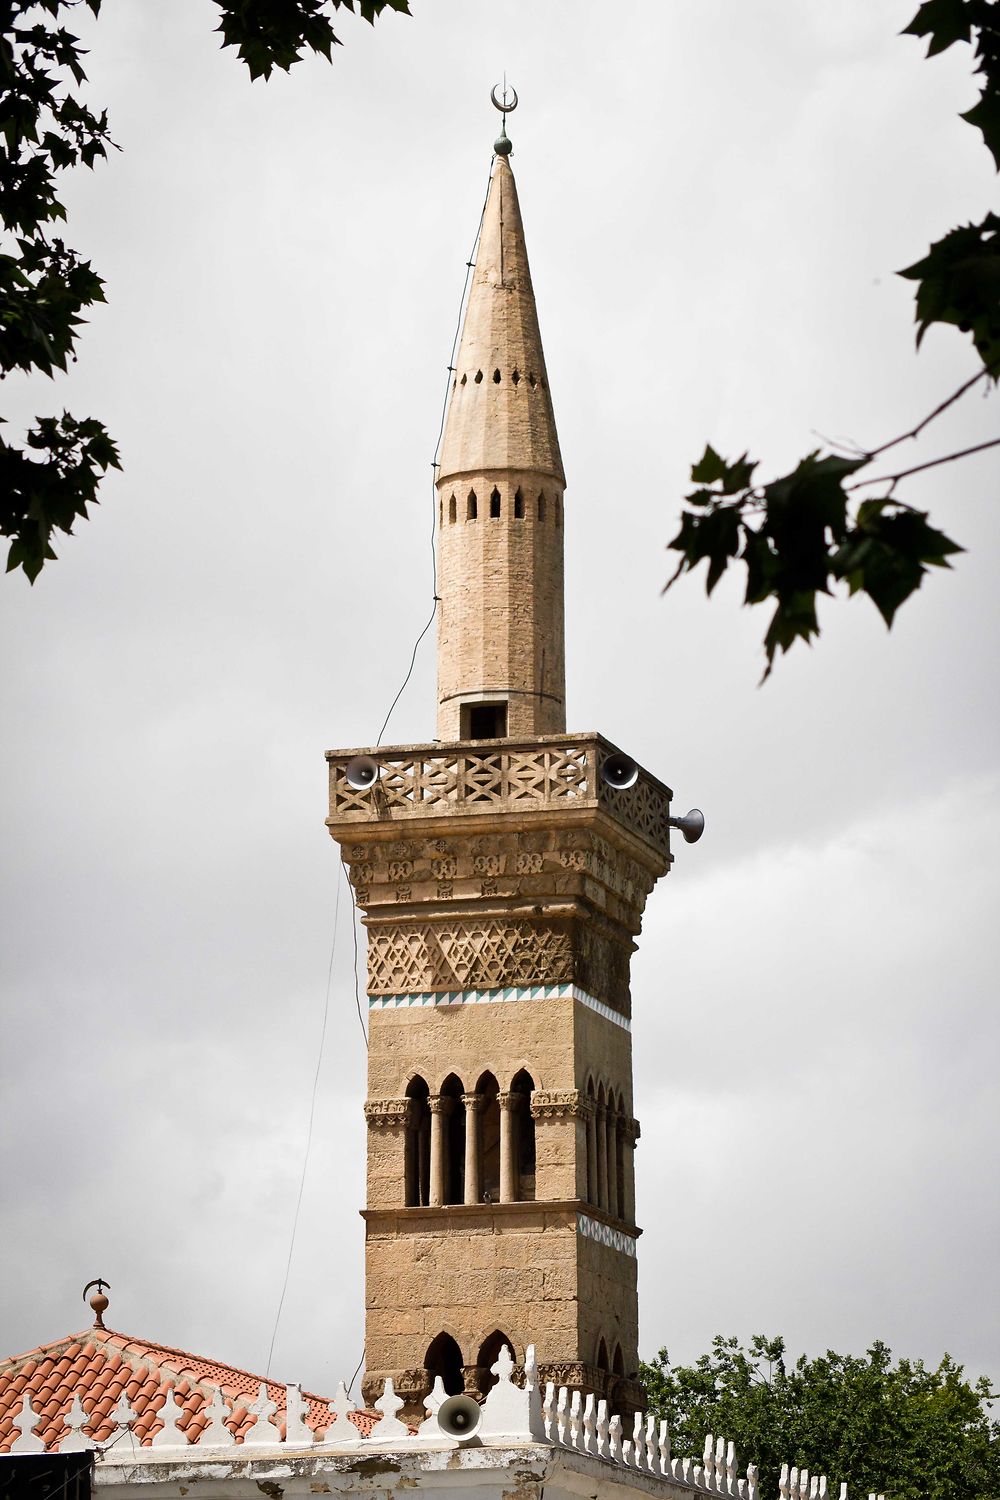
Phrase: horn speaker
x=692 y=825
x=619 y=771
x=460 y=1417
x=361 y=773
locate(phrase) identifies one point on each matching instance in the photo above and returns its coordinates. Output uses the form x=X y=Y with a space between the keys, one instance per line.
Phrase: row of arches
x=607 y=1170
x=444 y=1358
x=476 y=1147
x=523 y=505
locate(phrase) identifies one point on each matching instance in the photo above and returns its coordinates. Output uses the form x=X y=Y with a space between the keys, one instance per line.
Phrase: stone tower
x=502 y=873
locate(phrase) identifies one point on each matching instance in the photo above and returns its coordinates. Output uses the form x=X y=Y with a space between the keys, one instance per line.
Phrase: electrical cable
x=309 y=1132
x=435 y=600
x=358 y=1367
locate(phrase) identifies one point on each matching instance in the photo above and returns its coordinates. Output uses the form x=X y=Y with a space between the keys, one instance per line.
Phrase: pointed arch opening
x=454 y=1141
x=444 y=1358
x=524 y=1135
x=518 y=505
x=417 y=1146
x=602 y=1355
x=541 y=505
x=494 y=504
x=618 y=1362
x=489 y=1137
x=471 y=506
x=489 y=1353
x=452 y=510
x=496 y=377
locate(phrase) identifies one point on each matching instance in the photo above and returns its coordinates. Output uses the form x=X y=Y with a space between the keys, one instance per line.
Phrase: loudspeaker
x=361 y=773
x=692 y=825
x=460 y=1417
x=619 y=771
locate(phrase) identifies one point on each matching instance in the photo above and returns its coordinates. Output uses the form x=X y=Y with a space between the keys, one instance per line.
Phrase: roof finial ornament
x=506 y=104
x=98 y=1301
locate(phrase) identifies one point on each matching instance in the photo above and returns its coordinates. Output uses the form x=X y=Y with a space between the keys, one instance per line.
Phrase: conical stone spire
x=501 y=654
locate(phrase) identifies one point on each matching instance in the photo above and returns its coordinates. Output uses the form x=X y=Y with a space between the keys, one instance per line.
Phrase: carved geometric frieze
x=534 y=865
x=497 y=952
x=466 y=954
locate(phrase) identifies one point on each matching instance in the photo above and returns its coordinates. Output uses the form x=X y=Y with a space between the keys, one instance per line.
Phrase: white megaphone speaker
x=361 y=773
x=692 y=825
x=460 y=1417
x=619 y=771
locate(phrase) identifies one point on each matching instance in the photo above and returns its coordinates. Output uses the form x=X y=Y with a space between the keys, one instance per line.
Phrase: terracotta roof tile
x=100 y=1364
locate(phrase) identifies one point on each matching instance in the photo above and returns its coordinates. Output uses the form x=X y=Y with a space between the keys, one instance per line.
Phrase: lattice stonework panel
x=467 y=954
x=559 y=772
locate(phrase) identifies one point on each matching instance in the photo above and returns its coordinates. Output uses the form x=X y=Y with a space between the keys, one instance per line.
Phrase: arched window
x=524 y=1137
x=444 y=1358
x=489 y=1351
x=518 y=505
x=452 y=510
x=454 y=1150
x=618 y=1363
x=471 y=506
x=602 y=1355
x=495 y=504
x=541 y=505
x=489 y=1139
x=417 y=1147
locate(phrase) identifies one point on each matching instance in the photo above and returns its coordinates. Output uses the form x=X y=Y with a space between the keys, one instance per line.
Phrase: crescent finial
x=501 y=104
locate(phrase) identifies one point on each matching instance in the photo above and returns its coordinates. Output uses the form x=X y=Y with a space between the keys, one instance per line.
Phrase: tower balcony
x=517 y=785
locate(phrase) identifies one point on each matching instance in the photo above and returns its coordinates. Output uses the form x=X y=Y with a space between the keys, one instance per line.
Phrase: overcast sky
x=716 y=195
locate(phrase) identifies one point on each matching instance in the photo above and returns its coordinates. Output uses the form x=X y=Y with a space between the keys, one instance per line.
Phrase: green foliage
x=276 y=33
x=45 y=129
x=44 y=285
x=798 y=535
x=959 y=283
x=900 y=1429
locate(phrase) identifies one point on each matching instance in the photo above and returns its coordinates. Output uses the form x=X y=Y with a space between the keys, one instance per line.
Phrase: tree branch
x=916 y=431
x=931 y=464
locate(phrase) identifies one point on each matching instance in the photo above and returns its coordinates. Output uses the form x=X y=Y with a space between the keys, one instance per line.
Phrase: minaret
x=502 y=873
x=501 y=651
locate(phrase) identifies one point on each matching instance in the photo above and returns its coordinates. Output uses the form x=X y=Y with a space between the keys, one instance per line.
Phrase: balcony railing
x=485 y=776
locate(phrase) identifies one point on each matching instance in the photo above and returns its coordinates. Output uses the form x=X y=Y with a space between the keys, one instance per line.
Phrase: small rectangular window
x=484 y=721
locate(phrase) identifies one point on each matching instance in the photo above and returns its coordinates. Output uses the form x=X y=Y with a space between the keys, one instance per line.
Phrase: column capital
x=388 y=1114
x=473 y=1102
x=441 y=1104
x=510 y=1100
x=559 y=1104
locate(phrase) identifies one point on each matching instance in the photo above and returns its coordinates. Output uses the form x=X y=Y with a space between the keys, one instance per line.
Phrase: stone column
x=592 y=1193
x=508 y=1101
x=602 y=1157
x=614 y=1180
x=473 y=1156
x=440 y=1106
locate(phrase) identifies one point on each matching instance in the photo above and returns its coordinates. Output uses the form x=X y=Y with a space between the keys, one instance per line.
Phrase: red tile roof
x=100 y=1364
